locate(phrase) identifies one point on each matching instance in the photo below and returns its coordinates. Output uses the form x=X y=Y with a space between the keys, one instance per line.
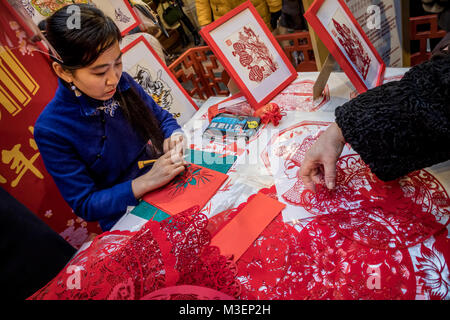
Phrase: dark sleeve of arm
x=404 y=125
x=443 y=47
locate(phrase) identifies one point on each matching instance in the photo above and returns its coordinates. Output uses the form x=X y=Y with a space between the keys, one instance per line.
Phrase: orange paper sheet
x=237 y=236
x=193 y=188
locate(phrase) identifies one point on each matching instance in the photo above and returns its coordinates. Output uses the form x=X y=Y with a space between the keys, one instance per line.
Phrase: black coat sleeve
x=31 y=253
x=403 y=125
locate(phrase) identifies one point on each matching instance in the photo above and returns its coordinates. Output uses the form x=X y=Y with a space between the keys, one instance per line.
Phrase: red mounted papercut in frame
x=250 y=54
x=345 y=39
x=193 y=188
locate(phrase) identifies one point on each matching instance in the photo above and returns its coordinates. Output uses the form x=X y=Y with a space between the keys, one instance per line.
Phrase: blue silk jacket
x=92 y=154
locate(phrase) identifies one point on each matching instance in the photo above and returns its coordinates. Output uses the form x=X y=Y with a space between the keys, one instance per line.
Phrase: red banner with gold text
x=27 y=84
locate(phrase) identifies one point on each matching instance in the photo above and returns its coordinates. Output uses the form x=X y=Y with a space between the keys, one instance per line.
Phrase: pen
x=143 y=163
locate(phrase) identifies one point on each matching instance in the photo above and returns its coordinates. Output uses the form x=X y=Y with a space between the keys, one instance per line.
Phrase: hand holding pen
x=164 y=169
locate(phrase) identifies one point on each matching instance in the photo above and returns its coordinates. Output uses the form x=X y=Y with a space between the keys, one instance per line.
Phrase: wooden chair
x=417 y=24
x=199 y=72
x=203 y=76
x=295 y=44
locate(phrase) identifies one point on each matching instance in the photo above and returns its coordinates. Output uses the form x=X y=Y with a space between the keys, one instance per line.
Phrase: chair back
x=423 y=28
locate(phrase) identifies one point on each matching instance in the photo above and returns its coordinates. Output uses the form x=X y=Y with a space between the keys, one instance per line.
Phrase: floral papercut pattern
x=352 y=46
x=253 y=55
x=194 y=187
x=397 y=214
x=431 y=259
x=193 y=176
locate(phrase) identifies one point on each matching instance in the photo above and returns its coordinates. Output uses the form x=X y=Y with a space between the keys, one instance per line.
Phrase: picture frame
x=142 y=62
x=120 y=12
x=338 y=29
x=250 y=54
x=40 y=10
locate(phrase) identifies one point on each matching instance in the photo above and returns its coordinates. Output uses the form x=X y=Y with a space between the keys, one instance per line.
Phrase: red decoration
x=123 y=265
x=187 y=292
x=252 y=57
x=353 y=48
x=27 y=84
x=298 y=96
x=270 y=113
x=354 y=60
x=192 y=188
x=381 y=215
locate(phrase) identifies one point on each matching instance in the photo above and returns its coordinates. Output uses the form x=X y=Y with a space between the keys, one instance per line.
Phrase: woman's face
x=99 y=80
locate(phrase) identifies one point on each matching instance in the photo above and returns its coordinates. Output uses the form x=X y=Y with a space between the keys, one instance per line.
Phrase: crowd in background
x=176 y=23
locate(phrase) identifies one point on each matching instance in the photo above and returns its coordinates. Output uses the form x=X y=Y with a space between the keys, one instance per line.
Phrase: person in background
x=100 y=123
x=442 y=9
x=396 y=128
x=210 y=10
x=292 y=16
x=183 y=19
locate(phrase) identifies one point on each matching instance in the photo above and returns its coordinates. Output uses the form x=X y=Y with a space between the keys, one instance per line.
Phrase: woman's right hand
x=319 y=164
x=164 y=170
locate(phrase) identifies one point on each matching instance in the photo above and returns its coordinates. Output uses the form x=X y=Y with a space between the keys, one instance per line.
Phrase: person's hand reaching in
x=319 y=165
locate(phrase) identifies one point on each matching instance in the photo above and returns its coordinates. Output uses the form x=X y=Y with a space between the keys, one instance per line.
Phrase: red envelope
x=194 y=187
x=237 y=236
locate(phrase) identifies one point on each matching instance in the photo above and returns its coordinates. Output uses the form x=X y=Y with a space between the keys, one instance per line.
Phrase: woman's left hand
x=174 y=141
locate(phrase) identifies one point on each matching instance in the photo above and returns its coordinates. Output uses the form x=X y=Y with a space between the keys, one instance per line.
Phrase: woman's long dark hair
x=80 y=47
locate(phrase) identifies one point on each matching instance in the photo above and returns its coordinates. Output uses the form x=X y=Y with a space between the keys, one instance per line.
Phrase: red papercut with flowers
x=253 y=55
x=123 y=265
x=353 y=47
x=298 y=96
x=194 y=187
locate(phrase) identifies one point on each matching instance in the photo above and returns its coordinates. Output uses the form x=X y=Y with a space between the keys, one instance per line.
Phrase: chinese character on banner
x=27 y=84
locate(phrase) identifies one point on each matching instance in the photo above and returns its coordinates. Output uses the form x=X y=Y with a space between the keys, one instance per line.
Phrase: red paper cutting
x=237 y=236
x=193 y=188
x=122 y=265
x=187 y=292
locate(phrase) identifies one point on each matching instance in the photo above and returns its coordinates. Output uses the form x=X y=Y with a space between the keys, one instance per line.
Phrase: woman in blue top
x=101 y=122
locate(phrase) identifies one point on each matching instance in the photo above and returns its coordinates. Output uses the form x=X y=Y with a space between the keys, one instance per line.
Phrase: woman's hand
x=320 y=160
x=164 y=170
x=176 y=140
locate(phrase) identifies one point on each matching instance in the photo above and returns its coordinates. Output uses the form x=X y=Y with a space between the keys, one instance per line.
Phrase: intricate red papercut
x=298 y=96
x=254 y=55
x=433 y=267
x=353 y=47
x=175 y=252
x=381 y=215
x=319 y=263
x=187 y=292
x=293 y=162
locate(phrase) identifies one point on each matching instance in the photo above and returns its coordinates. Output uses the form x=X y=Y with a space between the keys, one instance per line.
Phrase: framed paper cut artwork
x=345 y=39
x=146 y=67
x=39 y=10
x=250 y=54
x=121 y=13
x=194 y=187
